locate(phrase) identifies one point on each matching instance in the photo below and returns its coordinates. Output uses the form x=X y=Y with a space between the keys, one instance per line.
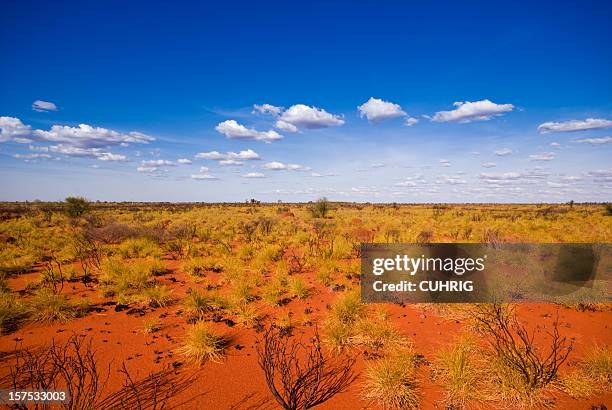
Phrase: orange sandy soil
x=238 y=382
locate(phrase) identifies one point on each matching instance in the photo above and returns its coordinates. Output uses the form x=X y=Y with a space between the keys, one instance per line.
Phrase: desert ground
x=136 y=305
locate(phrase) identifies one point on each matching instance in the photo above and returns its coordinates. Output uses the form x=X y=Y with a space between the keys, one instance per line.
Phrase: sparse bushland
x=391 y=382
x=298 y=374
x=203 y=344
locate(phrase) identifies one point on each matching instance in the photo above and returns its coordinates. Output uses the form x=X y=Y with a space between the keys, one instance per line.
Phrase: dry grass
x=203 y=344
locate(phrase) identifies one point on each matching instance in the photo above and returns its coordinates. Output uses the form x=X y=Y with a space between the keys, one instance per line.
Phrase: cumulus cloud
x=300 y=115
x=574 y=125
x=279 y=166
x=377 y=110
x=233 y=130
x=489 y=165
x=503 y=152
x=267 y=109
x=248 y=154
x=43 y=106
x=472 y=111
x=12 y=128
x=99 y=153
x=204 y=170
x=595 y=141
x=202 y=177
x=451 y=180
x=254 y=175
x=285 y=126
x=157 y=163
x=445 y=163
x=183 y=161
x=545 y=156
x=87 y=136
x=410 y=121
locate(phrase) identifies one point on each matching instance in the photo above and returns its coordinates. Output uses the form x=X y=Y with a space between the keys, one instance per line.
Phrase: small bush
x=156 y=296
x=298 y=288
x=76 y=206
x=139 y=248
x=321 y=208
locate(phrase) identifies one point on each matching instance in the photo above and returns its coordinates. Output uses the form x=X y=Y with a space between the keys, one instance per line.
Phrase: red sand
x=238 y=382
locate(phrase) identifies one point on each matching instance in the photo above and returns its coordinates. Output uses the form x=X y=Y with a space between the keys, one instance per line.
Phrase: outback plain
x=257 y=306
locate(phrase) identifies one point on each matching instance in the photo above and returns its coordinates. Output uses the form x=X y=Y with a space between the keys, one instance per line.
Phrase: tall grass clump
x=12 y=311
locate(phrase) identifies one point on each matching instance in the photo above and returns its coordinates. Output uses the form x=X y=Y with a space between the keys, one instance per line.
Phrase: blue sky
x=395 y=102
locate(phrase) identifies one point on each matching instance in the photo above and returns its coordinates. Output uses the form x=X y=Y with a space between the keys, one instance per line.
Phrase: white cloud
x=229 y=158
x=183 y=161
x=226 y=162
x=146 y=169
x=109 y=156
x=301 y=115
x=595 y=141
x=489 y=165
x=555 y=145
x=451 y=180
x=98 y=153
x=12 y=128
x=285 y=126
x=203 y=177
x=157 y=163
x=546 y=156
x=267 y=109
x=378 y=165
x=377 y=110
x=232 y=130
x=274 y=166
x=279 y=166
x=87 y=136
x=445 y=163
x=254 y=175
x=410 y=121
x=574 y=125
x=204 y=170
x=472 y=111
x=213 y=155
x=503 y=152
x=31 y=156
x=43 y=106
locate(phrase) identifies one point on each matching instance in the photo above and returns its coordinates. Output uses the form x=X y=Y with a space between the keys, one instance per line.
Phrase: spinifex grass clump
x=593 y=374
x=12 y=311
x=392 y=382
x=47 y=306
x=461 y=369
x=202 y=344
x=198 y=304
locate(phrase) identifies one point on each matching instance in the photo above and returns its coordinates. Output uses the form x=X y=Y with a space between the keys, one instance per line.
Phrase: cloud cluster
x=472 y=111
x=12 y=129
x=574 y=125
x=229 y=158
x=233 y=130
x=267 y=109
x=504 y=152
